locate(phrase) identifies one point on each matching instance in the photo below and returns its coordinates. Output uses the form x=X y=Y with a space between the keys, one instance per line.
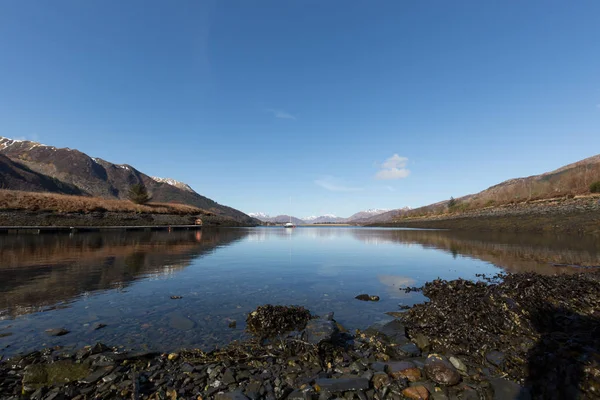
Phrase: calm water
x=125 y=280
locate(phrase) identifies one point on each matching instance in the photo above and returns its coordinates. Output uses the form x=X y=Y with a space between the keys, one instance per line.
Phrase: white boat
x=289 y=224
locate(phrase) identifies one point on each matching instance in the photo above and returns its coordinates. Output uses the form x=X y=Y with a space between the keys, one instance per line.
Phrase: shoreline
x=105 y=219
x=495 y=339
x=573 y=216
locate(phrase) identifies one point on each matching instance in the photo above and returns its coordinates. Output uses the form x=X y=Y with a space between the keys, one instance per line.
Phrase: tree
x=595 y=187
x=138 y=194
x=452 y=202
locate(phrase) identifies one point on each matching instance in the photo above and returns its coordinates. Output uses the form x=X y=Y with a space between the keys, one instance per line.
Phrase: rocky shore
x=107 y=218
x=512 y=337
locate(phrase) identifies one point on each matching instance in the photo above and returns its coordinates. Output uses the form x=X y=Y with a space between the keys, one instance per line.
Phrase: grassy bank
x=561 y=215
x=19 y=208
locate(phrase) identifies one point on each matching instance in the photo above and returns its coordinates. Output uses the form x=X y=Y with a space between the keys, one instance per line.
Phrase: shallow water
x=125 y=280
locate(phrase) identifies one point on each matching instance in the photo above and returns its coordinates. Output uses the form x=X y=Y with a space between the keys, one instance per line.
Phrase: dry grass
x=33 y=201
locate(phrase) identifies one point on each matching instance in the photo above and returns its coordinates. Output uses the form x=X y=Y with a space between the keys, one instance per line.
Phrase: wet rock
x=496 y=358
x=421 y=341
x=173 y=356
x=404 y=369
x=269 y=320
x=320 y=330
x=341 y=384
x=366 y=297
x=96 y=326
x=441 y=371
x=409 y=350
x=176 y=297
x=180 y=322
x=394 y=331
x=416 y=392
x=508 y=390
x=378 y=366
x=253 y=390
x=96 y=375
x=328 y=316
x=232 y=324
x=237 y=395
x=98 y=348
x=380 y=379
x=228 y=378
x=458 y=364
x=57 y=331
x=187 y=367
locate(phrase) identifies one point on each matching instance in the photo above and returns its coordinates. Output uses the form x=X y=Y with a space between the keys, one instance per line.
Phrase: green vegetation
x=595 y=187
x=138 y=194
x=452 y=202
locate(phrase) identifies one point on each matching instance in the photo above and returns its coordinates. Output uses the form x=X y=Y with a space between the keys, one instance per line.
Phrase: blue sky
x=340 y=105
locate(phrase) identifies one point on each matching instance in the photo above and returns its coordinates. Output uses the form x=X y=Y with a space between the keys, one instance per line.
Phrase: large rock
x=404 y=369
x=416 y=393
x=320 y=330
x=441 y=371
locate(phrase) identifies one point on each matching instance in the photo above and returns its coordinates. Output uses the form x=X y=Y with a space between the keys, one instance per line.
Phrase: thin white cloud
x=390 y=188
x=332 y=184
x=281 y=114
x=393 y=168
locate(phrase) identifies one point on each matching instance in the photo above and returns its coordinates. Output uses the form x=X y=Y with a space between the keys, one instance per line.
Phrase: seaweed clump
x=269 y=320
x=539 y=329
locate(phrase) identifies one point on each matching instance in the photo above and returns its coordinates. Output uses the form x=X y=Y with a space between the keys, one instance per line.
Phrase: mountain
x=173 y=182
x=280 y=219
x=324 y=219
x=357 y=217
x=259 y=215
x=16 y=176
x=96 y=177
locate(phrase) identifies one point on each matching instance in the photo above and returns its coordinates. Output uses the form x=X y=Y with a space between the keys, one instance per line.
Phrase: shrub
x=138 y=194
x=595 y=187
x=452 y=202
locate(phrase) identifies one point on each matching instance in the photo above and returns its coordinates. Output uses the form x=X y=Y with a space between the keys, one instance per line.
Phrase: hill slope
x=570 y=180
x=100 y=178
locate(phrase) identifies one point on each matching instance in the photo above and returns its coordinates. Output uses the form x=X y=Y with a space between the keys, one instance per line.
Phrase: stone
x=180 y=322
x=508 y=390
x=380 y=379
x=341 y=384
x=237 y=395
x=98 y=325
x=409 y=350
x=99 y=348
x=228 y=377
x=378 y=366
x=253 y=390
x=299 y=395
x=458 y=364
x=187 y=367
x=403 y=369
x=96 y=375
x=395 y=332
x=57 y=331
x=496 y=358
x=320 y=330
x=173 y=356
x=416 y=392
x=441 y=371
x=328 y=316
x=421 y=341
x=366 y=297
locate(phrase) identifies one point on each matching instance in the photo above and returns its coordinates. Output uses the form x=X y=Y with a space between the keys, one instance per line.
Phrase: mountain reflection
x=39 y=271
x=512 y=252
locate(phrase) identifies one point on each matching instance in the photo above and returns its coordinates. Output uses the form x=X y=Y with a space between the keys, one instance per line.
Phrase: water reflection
x=125 y=280
x=42 y=270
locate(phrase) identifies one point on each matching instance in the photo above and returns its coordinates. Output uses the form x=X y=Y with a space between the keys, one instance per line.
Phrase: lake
x=125 y=280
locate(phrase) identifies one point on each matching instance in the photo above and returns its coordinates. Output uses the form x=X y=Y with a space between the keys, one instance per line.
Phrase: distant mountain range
x=322 y=219
x=31 y=166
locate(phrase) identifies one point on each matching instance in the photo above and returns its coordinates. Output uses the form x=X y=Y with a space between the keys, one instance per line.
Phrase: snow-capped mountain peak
x=173 y=182
x=259 y=215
